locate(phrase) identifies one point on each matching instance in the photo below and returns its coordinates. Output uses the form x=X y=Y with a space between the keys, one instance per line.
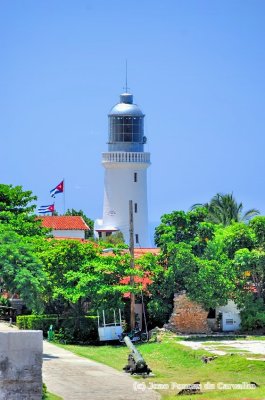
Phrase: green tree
x=257 y=225
x=80 y=275
x=250 y=266
x=211 y=283
x=89 y=233
x=227 y=240
x=115 y=239
x=208 y=282
x=190 y=227
x=207 y=260
x=20 y=269
x=224 y=209
x=17 y=211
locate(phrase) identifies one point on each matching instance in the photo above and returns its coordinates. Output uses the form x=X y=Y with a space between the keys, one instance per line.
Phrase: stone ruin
x=188 y=317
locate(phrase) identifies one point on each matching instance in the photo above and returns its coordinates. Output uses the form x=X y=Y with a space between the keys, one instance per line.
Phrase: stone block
x=21 y=365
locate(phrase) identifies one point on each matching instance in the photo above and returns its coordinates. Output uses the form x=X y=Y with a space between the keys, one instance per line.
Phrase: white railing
x=125 y=157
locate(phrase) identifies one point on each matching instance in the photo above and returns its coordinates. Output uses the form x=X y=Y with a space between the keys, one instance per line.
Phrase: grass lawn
x=50 y=396
x=175 y=364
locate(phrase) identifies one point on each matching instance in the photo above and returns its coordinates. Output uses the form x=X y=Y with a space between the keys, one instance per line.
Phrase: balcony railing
x=126 y=157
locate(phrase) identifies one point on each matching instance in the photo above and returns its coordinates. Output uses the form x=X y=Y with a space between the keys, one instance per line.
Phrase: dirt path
x=223 y=347
x=77 y=378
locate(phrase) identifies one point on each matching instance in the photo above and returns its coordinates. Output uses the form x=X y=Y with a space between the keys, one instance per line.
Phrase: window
x=100 y=234
x=127 y=137
x=128 y=128
x=136 y=238
x=135 y=177
x=135 y=207
x=131 y=127
x=136 y=137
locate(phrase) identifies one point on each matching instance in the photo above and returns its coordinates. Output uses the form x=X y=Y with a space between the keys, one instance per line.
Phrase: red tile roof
x=65 y=222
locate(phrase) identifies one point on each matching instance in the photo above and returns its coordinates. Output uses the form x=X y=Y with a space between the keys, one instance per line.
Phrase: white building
x=65 y=226
x=230 y=317
x=125 y=166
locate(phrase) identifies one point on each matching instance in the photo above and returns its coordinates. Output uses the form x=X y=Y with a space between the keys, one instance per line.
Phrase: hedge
x=36 y=322
x=68 y=329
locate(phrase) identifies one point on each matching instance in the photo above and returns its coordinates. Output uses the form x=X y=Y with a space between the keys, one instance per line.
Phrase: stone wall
x=187 y=316
x=21 y=365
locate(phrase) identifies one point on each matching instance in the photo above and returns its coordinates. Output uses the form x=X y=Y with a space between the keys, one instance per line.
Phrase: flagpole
x=64 y=194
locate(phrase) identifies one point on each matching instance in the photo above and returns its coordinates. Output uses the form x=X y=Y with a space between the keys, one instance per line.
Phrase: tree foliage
x=116 y=239
x=62 y=274
x=212 y=262
x=81 y=276
x=20 y=269
x=224 y=209
x=17 y=211
x=184 y=227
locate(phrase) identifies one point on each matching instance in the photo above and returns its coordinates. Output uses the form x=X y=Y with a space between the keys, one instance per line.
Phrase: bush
x=159 y=312
x=67 y=329
x=253 y=316
x=79 y=329
x=37 y=322
x=4 y=301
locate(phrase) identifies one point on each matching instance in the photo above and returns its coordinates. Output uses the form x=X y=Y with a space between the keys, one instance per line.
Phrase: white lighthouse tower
x=125 y=166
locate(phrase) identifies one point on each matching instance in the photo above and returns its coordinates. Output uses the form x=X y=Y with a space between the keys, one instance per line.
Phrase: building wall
x=71 y=233
x=21 y=365
x=230 y=316
x=187 y=316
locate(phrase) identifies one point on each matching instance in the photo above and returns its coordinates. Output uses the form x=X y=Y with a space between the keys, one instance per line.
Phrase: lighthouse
x=125 y=178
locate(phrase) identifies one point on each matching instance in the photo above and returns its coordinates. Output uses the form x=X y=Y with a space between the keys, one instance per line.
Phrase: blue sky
x=195 y=67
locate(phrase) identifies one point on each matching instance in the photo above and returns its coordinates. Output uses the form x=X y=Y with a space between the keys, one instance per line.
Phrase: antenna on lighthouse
x=126 y=70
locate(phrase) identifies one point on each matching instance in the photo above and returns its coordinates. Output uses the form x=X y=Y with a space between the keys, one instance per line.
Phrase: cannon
x=136 y=363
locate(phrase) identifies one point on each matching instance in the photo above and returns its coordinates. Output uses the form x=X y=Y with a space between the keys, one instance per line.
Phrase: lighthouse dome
x=126 y=107
x=126 y=126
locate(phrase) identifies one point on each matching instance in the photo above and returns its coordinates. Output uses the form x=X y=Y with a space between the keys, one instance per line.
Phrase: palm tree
x=224 y=209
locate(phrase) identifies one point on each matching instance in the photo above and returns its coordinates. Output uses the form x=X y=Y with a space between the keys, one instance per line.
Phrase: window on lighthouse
x=136 y=238
x=135 y=207
x=135 y=177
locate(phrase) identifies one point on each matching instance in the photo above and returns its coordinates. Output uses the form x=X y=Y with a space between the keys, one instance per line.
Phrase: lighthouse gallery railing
x=123 y=156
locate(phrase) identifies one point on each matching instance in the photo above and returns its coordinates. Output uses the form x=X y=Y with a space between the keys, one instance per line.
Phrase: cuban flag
x=58 y=189
x=46 y=209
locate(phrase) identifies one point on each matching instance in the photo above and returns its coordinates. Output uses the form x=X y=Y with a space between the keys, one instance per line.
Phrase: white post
x=98 y=318
x=120 y=315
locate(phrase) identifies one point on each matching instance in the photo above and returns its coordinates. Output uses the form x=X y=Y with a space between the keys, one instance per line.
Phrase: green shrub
x=253 y=316
x=67 y=329
x=37 y=322
x=78 y=329
x=4 y=301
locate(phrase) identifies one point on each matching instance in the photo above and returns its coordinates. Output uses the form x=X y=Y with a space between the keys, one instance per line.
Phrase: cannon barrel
x=138 y=358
